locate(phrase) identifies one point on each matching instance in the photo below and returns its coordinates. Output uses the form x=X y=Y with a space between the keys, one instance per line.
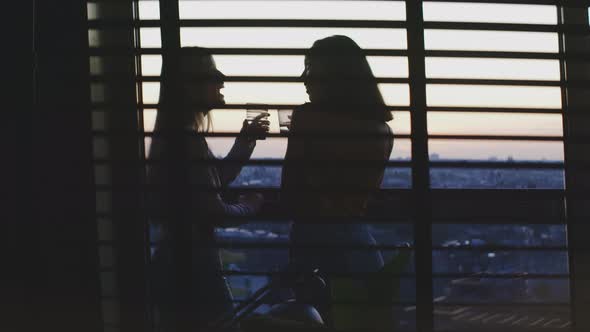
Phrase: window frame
x=420 y=164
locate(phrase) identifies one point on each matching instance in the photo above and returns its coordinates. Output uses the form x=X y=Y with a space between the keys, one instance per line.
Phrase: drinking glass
x=252 y=112
x=285 y=120
x=255 y=110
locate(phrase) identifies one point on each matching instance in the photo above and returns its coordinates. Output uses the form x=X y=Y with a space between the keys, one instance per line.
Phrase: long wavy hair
x=348 y=85
x=191 y=67
x=183 y=103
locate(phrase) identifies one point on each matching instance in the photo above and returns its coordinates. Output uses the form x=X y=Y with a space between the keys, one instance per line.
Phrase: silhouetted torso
x=209 y=293
x=331 y=151
x=334 y=162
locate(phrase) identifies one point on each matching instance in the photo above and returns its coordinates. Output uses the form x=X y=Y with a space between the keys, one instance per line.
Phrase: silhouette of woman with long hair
x=190 y=88
x=336 y=156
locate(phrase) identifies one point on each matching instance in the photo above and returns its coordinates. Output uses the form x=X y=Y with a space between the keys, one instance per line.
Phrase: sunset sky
x=394 y=94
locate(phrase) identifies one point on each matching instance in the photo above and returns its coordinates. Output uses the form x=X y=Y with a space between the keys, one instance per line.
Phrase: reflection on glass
x=493 y=96
x=283 y=10
x=489 y=13
x=476 y=68
x=267 y=37
x=477 y=40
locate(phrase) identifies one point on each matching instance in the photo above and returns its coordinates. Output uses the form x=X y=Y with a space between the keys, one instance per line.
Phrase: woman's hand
x=256 y=129
x=254 y=200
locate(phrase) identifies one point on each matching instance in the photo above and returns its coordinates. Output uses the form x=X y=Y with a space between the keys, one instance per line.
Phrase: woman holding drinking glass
x=190 y=88
x=338 y=147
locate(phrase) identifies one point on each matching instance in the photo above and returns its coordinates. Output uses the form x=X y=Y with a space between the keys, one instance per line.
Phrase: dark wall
x=61 y=238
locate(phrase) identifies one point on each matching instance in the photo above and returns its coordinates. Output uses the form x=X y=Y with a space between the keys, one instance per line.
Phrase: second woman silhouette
x=336 y=156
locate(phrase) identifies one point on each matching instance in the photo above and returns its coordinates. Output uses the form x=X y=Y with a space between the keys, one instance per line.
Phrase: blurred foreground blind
x=488 y=130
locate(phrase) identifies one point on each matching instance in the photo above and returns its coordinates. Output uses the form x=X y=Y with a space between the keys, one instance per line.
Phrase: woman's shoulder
x=302 y=116
x=198 y=147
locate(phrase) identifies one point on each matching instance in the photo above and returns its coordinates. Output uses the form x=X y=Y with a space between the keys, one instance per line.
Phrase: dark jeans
x=331 y=261
x=210 y=294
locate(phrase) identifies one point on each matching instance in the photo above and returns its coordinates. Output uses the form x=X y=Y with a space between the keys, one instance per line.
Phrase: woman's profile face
x=214 y=95
x=313 y=88
x=205 y=92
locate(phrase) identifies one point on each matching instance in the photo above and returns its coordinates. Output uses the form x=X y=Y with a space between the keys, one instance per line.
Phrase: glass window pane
x=383 y=66
x=149 y=10
x=458 y=123
x=292 y=65
x=402 y=149
x=294 y=93
x=477 y=40
x=289 y=37
x=151 y=92
x=151 y=65
x=495 y=150
x=264 y=93
x=397 y=177
x=230 y=120
x=489 y=13
x=258 y=176
x=516 y=318
x=493 y=96
x=270 y=148
x=451 y=235
x=275 y=148
x=149 y=119
x=395 y=94
x=150 y=37
x=468 y=259
x=259 y=65
x=496 y=178
x=309 y=10
x=514 y=69
x=401 y=123
x=270 y=176
x=459 y=301
x=478 y=278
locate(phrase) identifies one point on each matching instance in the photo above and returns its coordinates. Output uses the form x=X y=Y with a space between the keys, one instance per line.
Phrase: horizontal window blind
x=475 y=184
